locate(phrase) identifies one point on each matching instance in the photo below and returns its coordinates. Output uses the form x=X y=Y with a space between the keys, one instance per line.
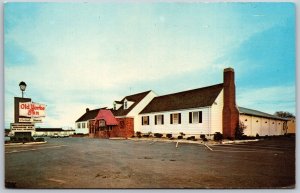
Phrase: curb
x=29 y=143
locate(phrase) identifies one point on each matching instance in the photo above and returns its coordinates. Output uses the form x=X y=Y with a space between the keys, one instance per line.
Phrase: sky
x=74 y=56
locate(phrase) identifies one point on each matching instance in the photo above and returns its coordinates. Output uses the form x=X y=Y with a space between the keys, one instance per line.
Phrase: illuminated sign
x=30 y=109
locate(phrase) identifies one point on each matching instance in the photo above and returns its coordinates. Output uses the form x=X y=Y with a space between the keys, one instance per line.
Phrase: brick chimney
x=230 y=111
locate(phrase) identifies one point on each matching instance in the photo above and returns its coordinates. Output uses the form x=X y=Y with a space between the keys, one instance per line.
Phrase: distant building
x=50 y=132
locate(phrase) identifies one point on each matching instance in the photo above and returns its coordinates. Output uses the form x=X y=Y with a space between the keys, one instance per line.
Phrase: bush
x=39 y=139
x=158 y=135
x=145 y=135
x=257 y=136
x=138 y=134
x=169 y=135
x=218 y=136
x=191 y=138
x=180 y=137
x=204 y=139
x=182 y=134
x=239 y=130
x=202 y=136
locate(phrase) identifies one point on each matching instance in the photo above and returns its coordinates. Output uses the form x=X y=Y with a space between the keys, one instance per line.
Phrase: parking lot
x=102 y=163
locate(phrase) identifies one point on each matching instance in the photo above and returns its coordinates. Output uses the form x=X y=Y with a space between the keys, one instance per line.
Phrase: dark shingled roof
x=247 y=111
x=91 y=114
x=136 y=98
x=200 y=97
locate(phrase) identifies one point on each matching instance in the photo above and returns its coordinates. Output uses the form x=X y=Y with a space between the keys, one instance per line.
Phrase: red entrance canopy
x=107 y=116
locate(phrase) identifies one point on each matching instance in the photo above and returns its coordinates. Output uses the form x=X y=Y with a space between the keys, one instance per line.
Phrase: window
x=125 y=105
x=195 y=117
x=78 y=125
x=159 y=119
x=83 y=125
x=145 y=120
x=175 y=118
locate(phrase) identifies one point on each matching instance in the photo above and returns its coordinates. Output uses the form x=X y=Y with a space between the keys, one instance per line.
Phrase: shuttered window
x=145 y=120
x=159 y=119
x=175 y=118
x=195 y=117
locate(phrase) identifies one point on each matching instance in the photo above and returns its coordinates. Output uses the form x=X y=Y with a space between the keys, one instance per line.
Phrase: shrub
x=218 y=136
x=202 y=136
x=145 y=135
x=169 y=135
x=204 y=139
x=239 y=130
x=138 y=134
x=257 y=136
x=158 y=135
x=188 y=138
x=180 y=137
x=39 y=139
x=182 y=134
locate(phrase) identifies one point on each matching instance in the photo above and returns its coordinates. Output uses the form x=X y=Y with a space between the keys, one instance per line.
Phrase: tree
x=284 y=114
x=239 y=130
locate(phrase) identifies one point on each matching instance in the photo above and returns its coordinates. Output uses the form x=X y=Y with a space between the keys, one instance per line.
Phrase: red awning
x=107 y=116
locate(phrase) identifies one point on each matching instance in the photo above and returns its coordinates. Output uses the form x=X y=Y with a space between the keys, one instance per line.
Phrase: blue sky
x=78 y=55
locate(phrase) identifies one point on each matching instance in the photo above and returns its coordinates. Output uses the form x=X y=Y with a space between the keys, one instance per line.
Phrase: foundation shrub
x=202 y=136
x=158 y=135
x=169 y=135
x=138 y=134
x=180 y=137
x=218 y=136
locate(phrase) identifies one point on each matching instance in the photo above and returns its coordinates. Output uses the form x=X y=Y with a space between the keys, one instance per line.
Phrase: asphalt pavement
x=103 y=163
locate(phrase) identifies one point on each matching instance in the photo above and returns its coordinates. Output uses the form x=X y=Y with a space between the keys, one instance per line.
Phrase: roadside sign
x=32 y=120
x=22 y=127
x=30 y=109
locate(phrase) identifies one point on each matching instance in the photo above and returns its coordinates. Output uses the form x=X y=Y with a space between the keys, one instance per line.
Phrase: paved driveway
x=102 y=163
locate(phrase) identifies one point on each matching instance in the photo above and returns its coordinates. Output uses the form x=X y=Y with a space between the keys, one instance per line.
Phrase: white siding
x=261 y=126
x=175 y=129
x=81 y=130
x=139 y=107
x=216 y=115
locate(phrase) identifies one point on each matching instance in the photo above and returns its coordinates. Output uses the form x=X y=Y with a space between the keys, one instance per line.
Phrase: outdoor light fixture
x=22 y=86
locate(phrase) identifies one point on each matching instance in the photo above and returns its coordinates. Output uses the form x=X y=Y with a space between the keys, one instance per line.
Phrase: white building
x=82 y=124
x=262 y=124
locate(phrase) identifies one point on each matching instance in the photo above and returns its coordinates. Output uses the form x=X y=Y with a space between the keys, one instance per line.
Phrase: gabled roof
x=107 y=115
x=247 y=111
x=91 y=114
x=200 y=97
x=136 y=98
